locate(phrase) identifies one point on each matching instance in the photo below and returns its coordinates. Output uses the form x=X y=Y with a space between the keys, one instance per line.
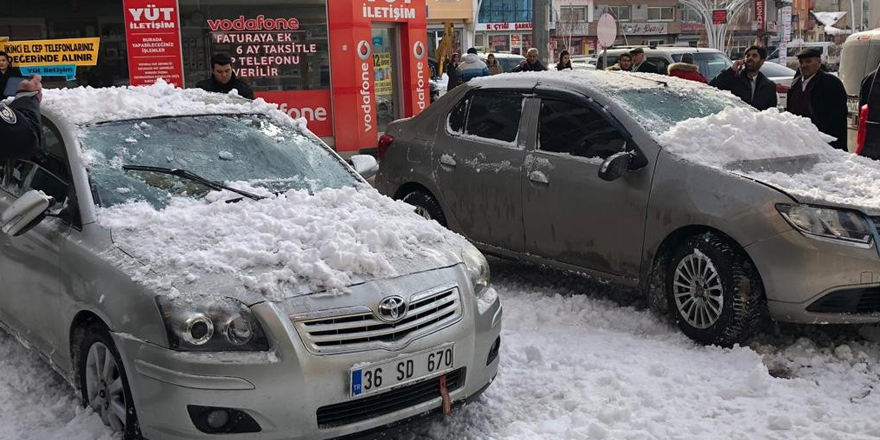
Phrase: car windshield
x=710 y=63
x=658 y=109
x=132 y=160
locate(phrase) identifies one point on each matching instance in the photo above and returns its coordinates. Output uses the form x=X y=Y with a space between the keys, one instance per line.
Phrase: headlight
x=477 y=268
x=830 y=223
x=211 y=324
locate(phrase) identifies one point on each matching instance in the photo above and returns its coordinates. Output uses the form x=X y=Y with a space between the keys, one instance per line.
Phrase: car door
x=478 y=167
x=571 y=215
x=30 y=264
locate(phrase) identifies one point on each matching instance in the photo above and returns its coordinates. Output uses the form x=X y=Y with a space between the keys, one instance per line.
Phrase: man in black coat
x=745 y=80
x=223 y=79
x=532 y=63
x=20 y=123
x=820 y=96
x=639 y=63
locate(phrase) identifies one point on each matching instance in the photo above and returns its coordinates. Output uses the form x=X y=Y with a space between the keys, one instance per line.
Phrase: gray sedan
x=198 y=265
x=565 y=169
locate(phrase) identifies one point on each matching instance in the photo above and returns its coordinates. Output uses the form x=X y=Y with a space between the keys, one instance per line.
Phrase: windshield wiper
x=189 y=175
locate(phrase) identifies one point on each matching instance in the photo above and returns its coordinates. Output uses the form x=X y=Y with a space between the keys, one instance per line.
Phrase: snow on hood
x=86 y=105
x=280 y=246
x=780 y=149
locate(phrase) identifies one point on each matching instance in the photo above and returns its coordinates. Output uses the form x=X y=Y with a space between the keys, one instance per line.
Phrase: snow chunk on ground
x=328 y=240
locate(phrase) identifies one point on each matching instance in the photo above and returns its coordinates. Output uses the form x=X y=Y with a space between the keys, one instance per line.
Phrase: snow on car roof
x=87 y=105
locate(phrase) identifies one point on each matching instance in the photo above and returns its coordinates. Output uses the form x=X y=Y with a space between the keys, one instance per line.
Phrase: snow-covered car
x=199 y=264
x=717 y=212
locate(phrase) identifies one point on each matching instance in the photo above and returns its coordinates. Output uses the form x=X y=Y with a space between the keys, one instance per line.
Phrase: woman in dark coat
x=451 y=70
x=6 y=71
x=564 y=61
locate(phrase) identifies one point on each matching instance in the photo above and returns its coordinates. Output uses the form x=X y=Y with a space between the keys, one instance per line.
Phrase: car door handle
x=539 y=177
x=447 y=160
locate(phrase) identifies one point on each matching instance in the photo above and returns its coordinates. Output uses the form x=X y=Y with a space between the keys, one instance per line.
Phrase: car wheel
x=714 y=292
x=104 y=384
x=426 y=206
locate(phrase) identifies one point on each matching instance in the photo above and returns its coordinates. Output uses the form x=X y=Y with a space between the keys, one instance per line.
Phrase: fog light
x=493 y=351
x=218 y=418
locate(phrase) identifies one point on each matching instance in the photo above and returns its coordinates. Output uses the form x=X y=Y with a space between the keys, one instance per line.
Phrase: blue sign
x=68 y=71
x=377 y=41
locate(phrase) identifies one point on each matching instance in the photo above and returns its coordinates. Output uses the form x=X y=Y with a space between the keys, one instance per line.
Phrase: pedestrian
x=20 y=123
x=745 y=80
x=564 y=61
x=820 y=96
x=640 y=64
x=472 y=66
x=624 y=63
x=686 y=69
x=531 y=63
x=451 y=70
x=7 y=71
x=223 y=79
x=494 y=67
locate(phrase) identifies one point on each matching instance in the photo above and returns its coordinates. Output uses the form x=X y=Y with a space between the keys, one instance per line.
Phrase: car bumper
x=806 y=278
x=283 y=389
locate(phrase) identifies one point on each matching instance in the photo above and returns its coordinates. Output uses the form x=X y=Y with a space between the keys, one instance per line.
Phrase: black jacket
x=648 y=67
x=20 y=128
x=526 y=67
x=828 y=106
x=212 y=85
x=865 y=89
x=737 y=82
x=11 y=72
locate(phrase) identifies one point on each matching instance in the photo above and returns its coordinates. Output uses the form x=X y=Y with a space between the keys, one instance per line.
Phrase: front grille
x=386 y=403
x=862 y=301
x=364 y=330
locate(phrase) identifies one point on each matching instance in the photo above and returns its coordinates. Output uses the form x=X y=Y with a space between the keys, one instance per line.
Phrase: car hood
x=294 y=244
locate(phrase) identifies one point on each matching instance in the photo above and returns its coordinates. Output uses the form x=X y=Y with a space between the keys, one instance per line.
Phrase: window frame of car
x=518 y=142
x=578 y=99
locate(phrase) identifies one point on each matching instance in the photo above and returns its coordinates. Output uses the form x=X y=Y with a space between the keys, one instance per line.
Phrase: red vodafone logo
x=363 y=50
x=419 y=50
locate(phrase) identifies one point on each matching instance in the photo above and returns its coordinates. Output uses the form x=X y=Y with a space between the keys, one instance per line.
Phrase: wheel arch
x=409 y=187
x=81 y=321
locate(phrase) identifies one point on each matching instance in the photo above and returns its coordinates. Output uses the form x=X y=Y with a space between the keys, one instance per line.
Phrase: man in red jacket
x=686 y=69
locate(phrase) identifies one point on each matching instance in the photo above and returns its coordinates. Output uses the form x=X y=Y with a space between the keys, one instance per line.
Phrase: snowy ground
x=577 y=365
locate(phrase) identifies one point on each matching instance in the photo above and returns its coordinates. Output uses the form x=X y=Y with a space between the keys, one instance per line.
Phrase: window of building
x=572 y=14
x=505 y=11
x=623 y=13
x=661 y=13
x=577 y=130
x=689 y=15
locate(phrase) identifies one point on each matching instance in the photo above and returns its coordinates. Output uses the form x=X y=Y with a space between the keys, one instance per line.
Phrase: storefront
x=505 y=37
x=348 y=67
x=442 y=13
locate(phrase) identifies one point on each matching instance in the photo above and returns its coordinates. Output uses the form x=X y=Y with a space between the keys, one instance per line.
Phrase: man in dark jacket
x=639 y=63
x=745 y=80
x=223 y=79
x=820 y=96
x=20 y=123
x=532 y=63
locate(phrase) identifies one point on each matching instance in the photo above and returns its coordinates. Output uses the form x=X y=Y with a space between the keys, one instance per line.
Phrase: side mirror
x=365 y=165
x=25 y=213
x=615 y=166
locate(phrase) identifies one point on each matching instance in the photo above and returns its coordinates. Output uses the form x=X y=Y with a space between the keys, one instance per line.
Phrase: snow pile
x=85 y=105
x=328 y=240
x=735 y=139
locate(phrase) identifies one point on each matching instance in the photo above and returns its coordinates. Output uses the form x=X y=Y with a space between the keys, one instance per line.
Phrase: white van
x=860 y=56
x=830 y=53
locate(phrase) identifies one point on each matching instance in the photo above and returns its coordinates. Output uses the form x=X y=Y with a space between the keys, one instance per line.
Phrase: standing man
x=624 y=62
x=639 y=63
x=745 y=80
x=223 y=79
x=820 y=96
x=20 y=123
x=531 y=63
x=472 y=67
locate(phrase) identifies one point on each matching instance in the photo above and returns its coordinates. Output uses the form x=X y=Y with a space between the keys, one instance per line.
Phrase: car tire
x=106 y=390
x=714 y=293
x=426 y=206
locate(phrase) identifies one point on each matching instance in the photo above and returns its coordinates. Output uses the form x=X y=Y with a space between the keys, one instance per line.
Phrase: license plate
x=380 y=376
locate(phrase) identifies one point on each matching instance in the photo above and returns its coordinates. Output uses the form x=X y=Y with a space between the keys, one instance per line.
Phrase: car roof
x=663 y=49
x=596 y=82
x=86 y=106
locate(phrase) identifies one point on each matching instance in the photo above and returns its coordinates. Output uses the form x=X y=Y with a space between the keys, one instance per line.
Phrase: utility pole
x=540 y=38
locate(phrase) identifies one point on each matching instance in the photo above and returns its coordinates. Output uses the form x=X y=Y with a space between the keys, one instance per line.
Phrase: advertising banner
x=760 y=14
x=52 y=57
x=719 y=16
x=382 y=72
x=643 y=28
x=152 y=31
x=261 y=47
x=312 y=105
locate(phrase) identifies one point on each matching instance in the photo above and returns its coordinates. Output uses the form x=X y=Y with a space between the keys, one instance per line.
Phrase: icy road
x=577 y=365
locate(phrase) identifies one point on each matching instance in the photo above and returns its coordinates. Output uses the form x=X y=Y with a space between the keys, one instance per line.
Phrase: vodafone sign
x=391 y=10
x=365 y=56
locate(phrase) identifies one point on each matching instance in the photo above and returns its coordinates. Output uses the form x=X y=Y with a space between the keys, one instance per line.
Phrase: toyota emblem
x=392 y=308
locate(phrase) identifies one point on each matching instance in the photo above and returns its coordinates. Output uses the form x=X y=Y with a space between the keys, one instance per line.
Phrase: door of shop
x=386 y=71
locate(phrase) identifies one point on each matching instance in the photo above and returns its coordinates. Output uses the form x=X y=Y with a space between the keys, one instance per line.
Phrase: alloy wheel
x=104 y=388
x=697 y=289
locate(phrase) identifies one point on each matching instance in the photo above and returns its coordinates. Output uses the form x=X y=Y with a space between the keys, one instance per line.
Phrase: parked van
x=830 y=53
x=860 y=56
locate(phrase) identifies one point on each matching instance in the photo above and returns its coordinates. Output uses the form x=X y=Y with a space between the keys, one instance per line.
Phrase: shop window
x=286 y=50
x=661 y=14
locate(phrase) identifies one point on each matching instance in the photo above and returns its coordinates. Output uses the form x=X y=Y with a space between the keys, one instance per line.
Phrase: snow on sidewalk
x=578 y=366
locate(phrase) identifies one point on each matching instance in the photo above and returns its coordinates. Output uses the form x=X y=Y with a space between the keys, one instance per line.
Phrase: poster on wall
x=58 y=57
x=260 y=46
x=382 y=73
x=152 y=31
